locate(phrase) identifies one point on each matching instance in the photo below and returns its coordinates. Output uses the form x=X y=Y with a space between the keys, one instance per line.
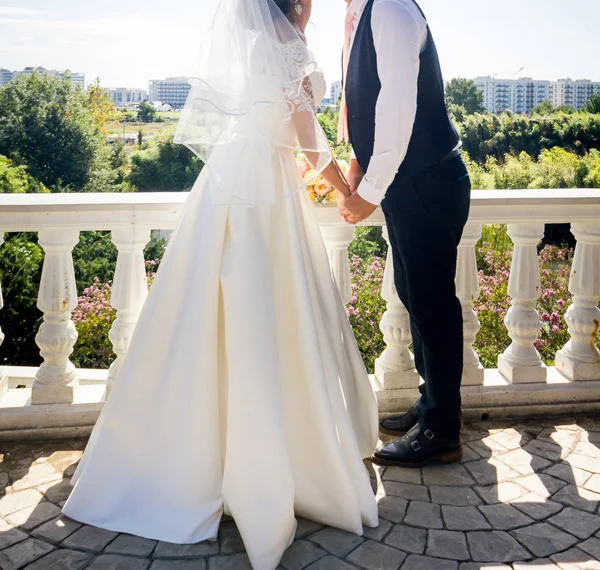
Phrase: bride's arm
x=308 y=130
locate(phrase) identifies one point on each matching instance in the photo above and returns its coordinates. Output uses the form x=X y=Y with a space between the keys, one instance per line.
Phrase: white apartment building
x=573 y=93
x=335 y=91
x=516 y=95
x=123 y=96
x=6 y=75
x=173 y=91
x=77 y=79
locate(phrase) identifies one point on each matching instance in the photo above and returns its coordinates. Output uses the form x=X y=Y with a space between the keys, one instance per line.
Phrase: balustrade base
x=576 y=369
x=521 y=374
x=473 y=376
x=396 y=379
x=3 y=384
x=54 y=393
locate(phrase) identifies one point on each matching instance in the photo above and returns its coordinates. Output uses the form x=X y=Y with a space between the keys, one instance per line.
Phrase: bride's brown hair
x=285 y=6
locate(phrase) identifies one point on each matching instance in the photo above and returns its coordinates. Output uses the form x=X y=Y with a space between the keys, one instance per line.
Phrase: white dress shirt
x=400 y=35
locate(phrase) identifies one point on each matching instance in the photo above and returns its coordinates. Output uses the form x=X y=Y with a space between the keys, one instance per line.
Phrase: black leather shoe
x=419 y=447
x=399 y=425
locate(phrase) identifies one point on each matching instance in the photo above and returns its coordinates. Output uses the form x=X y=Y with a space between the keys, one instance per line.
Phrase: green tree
x=147 y=113
x=545 y=108
x=593 y=104
x=464 y=92
x=46 y=126
x=16 y=179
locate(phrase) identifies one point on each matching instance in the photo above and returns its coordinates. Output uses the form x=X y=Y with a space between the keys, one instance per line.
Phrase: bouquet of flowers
x=319 y=190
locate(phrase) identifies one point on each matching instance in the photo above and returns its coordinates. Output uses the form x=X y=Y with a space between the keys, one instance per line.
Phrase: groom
x=406 y=157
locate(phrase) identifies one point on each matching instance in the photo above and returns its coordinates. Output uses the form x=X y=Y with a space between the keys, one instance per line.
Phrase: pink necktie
x=348 y=29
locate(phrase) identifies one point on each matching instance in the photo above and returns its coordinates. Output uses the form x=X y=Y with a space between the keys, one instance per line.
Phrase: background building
x=335 y=91
x=6 y=75
x=573 y=93
x=77 y=79
x=123 y=96
x=516 y=95
x=173 y=91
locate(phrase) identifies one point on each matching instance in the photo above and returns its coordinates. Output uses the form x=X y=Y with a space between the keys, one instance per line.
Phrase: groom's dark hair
x=285 y=6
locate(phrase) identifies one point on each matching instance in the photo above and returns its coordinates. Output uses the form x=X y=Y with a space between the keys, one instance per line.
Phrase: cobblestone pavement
x=525 y=496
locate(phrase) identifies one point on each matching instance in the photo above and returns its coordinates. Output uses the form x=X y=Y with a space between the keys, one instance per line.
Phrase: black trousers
x=425 y=217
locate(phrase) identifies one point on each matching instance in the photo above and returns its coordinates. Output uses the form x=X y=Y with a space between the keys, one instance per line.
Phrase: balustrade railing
x=61 y=400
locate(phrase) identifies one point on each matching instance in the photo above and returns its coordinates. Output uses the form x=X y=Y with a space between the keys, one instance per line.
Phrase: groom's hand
x=355 y=175
x=355 y=209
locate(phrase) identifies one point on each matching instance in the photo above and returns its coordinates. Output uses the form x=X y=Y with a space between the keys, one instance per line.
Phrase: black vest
x=433 y=135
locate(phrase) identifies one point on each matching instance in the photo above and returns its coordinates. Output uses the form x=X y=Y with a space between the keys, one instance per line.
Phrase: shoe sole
x=450 y=457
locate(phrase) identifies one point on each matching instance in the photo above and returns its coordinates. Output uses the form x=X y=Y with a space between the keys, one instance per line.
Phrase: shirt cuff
x=369 y=193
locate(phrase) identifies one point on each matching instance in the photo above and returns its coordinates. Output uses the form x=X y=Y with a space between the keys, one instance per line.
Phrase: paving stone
x=490 y=471
x=591 y=546
x=172 y=550
x=405 y=491
x=306 y=527
x=56 y=492
x=375 y=556
x=327 y=563
x=407 y=538
x=523 y=462
x=588 y=449
x=19 y=500
x=403 y=475
x=593 y=484
x=10 y=535
x=230 y=538
x=23 y=553
x=131 y=545
x=543 y=539
x=581 y=524
x=542 y=485
x=469 y=455
x=464 y=518
x=337 y=542
x=379 y=532
x=536 y=507
x=56 y=530
x=455 y=496
x=424 y=515
x=198 y=564
x=569 y=474
x=541 y=564
x=89 y=538
x=453 y=474
x=550 y=451
x=62 y=560
x=35 y=515
x=392 y=508
x=114 y=562
x=495 y=546
x=482 y=566
x=510 y=439
x=416 y=562
x=578 y=498
x=487 y=447
x=501 y=493
x=563 y=437
x=575 y=559
x=469 y=433
x=505 y=517
x=447 y=544
x=300 y=554
x=584 y=462
x=36 y=474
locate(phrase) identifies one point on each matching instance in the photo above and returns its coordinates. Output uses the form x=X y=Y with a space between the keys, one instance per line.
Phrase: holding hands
x=353 y=208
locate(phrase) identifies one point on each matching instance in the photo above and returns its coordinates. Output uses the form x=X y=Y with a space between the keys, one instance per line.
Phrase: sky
x=128 y=42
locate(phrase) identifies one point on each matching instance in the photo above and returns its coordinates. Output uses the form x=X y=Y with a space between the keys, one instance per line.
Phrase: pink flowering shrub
x=366 y=307
x=494 y=302
x=93 y=318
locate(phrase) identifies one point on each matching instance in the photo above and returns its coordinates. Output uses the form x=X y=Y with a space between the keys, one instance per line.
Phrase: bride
x=243 y=391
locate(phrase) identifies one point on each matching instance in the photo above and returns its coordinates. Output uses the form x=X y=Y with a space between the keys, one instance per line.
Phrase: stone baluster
x=337 y=239
x=521 y=362
x=396 y=377
x=57 y=378
x=467 y=290
x=580 y=358
x=3 y=376
x=128 y=293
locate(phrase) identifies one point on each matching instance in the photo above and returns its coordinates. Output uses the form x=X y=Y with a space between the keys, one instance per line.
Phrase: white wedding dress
x=243 y=390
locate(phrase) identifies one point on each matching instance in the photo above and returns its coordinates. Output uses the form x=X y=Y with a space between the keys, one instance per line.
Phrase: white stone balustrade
x=59 y=400
x=580 y=358
x=3 y=376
